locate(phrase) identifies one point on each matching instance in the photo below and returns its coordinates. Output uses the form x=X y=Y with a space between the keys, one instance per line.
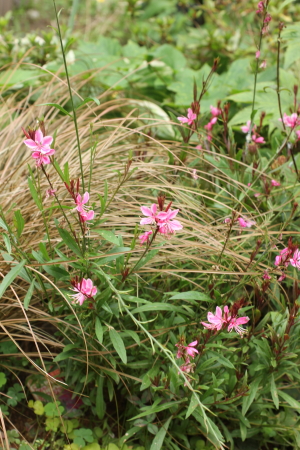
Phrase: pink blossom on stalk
x=166 y=224
x=86 y=215
x=275 y=183
x=290 y=121
x=266 y=276
x=260 y=7
x=263 y=65
x=283 y=258
x=298 y=135
x=257 y=54
x=258 y=140
x=227 y=220
x=210 y=124
x=282 y=277
x=50 y=193
x=235 y=323
x=246 y=128
x=189 y=119
x=84 y=290
x=295 y=260
x=215 y=111
x=194 y=174
x=81 y=201
x=150 y=214
x=268 y=18
x=40 y=147
x=190 y=350
x=246 y=223
x=145 y=237
x=215 y=320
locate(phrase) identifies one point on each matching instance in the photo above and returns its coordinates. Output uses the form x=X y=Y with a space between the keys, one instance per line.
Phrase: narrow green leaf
x=108 y=236
x=89 y=99
x=3 y=225
x=159 y=438
x=154 y=307
x=58 y=169
x=192 y=406
x=28 y=295
x=191 y=295
x=9 y=278
x=221 y=359
x=7 y=242
x=69 y=241
x=247 y=401
x=284 y=4
x=66 y=173
x=118 y=344
x=274 y=392
x=156 y=408
x=20 y=222
x=65 y=355
x=99 y=330
x=57 y=106
x=100 y=404
x=290 y=400
x=34 y=194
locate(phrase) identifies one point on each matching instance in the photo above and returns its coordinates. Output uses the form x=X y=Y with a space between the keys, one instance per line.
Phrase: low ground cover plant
x=150 y=255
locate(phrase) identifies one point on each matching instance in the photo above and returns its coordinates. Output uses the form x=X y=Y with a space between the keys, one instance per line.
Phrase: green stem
x=71 y=96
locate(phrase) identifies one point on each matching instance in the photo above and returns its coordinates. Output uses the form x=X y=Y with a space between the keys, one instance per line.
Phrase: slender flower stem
x=144 y=253
x=43 y=213
x=71 y=96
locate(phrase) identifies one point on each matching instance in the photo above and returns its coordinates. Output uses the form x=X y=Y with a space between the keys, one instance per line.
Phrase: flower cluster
x=84 y=290
x=187 y=352
x=163 y=220
x=290 y=255
x=219 y=320
x=292 y=121
x=39 y=145
x=83 y=210
x=244 y=223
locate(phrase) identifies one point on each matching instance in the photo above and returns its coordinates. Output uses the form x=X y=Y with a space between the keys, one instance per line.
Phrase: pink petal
x=153 y=209
x=183 y=119
x=193 y=344
x=90 y=215
x=172 y=214
x=38 y=136
x=86 y=197
x=242 y=320
x=47 y=140
x=30 y=143
x=175 y=225
x=146 y=211
x=146 y=221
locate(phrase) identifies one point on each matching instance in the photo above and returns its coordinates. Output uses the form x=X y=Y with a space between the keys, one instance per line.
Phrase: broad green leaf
x=118 y=344
x=9 y=278
x=248 y=400
x=69 y=241
x=274 y=392
x=34 y=194
x=28 y=295
x=108 y=236
x=159 y=438
x=99 y=330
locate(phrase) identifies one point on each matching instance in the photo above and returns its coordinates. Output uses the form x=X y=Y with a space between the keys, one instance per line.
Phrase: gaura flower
x=215 y=320
x=145 y=237
x=266 y=276
x=215 y=111
x=235 y=323
x=295 y=260
x=263 y=65
x=40 y=147
x=283 y=259
x=150 y=214
x=275 y=183
x=258 y=139
x=166 y=224
x=246 y=223
x=84 y=213
x=246 y=128
x=290 y=121
x=191 y=350
x=218 y=320
x=189 y=119
x=257 y=54
x=194 y=174
x=50 y=193
x=84 y=290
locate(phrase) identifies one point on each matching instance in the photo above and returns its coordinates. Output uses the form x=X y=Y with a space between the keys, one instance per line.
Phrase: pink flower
x=290 y=121
x=246 y=128
x=268 y=18
x=40 y=147
x=283 y=257
x=266 y=276
x=150 y=214
x=194 y=174
x=275 y=183
x=84 y=290
x=50 y=193
x=145 y=237
x=257 y=54
x=210 y=124
x=235 y=324
x=199 y=147
x=215 y=111
x=81 y=201
x=216 y=320
x=227 y=220
x=86 y=215
x=246 y=223
x=258 y=140
x=298 y=135
x=190 y=350
x=257 y=194
x=260 y=7
x=249 y=184
x=166 y=224
x=295 y=260
x=282 y=277
x=189 y=119
x=263 y=65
